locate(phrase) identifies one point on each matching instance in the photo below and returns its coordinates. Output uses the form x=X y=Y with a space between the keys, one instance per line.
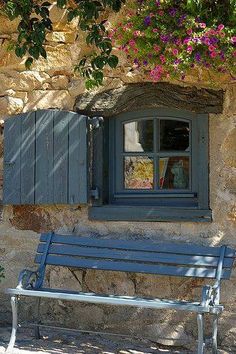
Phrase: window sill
x=148 y=213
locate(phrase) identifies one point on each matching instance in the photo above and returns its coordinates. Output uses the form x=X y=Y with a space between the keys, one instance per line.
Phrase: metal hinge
x=94 y=193
x=96 y=122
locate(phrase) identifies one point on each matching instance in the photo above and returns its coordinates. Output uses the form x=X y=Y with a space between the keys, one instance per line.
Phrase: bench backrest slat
x=139 y=245
x=142 y=256
x=133 y=267
x=135 y=256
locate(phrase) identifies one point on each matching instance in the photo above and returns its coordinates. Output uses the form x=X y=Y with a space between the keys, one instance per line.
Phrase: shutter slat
x=60 y=147
x=27 y=158
x=44 y=157
x=77 y=159
x=12 y=161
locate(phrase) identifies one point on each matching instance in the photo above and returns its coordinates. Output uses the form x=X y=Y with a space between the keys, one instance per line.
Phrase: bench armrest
x=210 y=295
x=27 y=279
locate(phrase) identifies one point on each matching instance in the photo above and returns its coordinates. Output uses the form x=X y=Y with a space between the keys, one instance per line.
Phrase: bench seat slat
x=152 y=257
x=117 y=300
x=138 y=245
x=132 y=267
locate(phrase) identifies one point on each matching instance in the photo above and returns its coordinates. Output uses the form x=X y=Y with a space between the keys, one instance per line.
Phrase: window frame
x=169 y=207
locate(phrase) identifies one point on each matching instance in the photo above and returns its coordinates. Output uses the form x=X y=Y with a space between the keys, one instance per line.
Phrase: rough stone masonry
x=52 y=83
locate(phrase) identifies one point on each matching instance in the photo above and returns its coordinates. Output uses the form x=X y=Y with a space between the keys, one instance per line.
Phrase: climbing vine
x=166 y=39
x=163 y=38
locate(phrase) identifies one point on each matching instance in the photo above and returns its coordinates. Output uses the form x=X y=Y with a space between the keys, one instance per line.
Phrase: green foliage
x=35 y=23
x=1 y=273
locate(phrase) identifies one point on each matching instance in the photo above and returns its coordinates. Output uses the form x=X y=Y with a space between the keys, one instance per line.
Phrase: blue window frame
x=156 y=167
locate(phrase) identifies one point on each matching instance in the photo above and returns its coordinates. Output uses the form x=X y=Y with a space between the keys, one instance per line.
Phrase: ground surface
x=66 y=343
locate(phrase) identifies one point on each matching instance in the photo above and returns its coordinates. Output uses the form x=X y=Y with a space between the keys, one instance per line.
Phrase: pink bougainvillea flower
x=161 y=12
x=221 y=27
x=132 y=43
x=155 y=30
x=175 y=51
x=233 y=39
x=178 y=42
x=162 y=58
x=206 y=40
x=189 y=48
x=137 y=33
x=213 y=54
x=222 y=34
x=186 y=40
x=156 y=47
x=211 y=48
x=202 y=25
x=189 y=31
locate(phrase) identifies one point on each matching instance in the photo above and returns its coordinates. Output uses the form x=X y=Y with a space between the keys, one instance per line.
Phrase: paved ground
x=60 y=343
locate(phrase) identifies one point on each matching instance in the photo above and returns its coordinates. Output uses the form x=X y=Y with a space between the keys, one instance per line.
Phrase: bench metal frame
x=119 y=255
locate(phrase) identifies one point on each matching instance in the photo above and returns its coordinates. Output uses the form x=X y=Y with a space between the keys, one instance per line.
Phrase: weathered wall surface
x=52 y=84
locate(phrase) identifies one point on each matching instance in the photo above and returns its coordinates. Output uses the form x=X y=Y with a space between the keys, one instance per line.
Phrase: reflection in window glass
x=138 y=136
x=138 y=172
x=174 y=172
x=174 y=135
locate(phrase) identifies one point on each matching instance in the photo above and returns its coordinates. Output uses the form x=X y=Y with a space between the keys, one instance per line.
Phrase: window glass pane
x=174 y=135
x=138 y=172
x=174 y=172
x=138 y=136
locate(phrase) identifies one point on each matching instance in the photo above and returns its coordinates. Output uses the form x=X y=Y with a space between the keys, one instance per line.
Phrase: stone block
x=61 y=36
x=59 y=82
x=153 y=286
x=40 y=99
x=10 y=105
x=64 y=278
x=109 y=282
x=58 y=58
x=230 y=102
x=59 y=19
x=7 y=26
x=22 y=81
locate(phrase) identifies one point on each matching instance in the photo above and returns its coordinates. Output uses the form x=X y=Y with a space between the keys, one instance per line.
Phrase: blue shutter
x=45 y=158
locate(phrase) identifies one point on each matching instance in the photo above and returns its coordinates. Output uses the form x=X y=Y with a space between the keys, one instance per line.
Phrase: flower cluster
x=165 y=40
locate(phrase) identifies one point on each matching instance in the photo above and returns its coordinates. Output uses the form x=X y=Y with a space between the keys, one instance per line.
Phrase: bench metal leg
x=36 y=328
x=214 y=334
x=201 y=343
x=14 y=306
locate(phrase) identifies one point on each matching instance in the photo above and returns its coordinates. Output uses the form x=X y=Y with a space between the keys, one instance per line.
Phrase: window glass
x=138 y=172
x=174 y=172
x=174 y=135
x=138 y=136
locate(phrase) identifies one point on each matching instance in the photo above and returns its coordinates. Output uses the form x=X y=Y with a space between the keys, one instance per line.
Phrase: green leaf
x=112 y=61
x=28 y=63
x=61 y=3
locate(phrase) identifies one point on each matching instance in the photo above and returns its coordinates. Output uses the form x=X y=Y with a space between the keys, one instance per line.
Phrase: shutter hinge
x=96 y=122
x=94 y=193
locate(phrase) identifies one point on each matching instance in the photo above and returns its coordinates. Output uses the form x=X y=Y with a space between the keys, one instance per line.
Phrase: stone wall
x=52 y=84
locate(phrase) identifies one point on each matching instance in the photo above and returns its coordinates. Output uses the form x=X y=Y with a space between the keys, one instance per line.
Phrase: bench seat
x=133 y=256
x=118 y=300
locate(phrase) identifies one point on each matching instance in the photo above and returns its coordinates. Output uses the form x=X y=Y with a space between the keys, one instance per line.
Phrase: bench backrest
x=185 y=260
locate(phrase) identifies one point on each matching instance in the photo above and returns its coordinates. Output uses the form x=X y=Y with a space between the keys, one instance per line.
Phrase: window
x=150 y=165
x=156 y=167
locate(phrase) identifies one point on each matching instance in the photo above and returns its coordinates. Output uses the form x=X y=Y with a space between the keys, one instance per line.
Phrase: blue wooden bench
x=181 y=260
